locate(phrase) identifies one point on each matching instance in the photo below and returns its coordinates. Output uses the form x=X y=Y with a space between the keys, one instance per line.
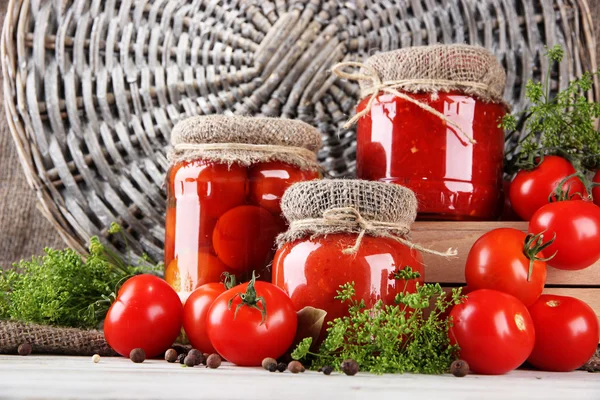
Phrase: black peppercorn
x=349 y=367
x=272 y=367
x=180 y=349
x=327 y=370
x=24 y=349
x=181 y=358
x=171 y=355
x=267 y=362
x=459 y=368
x=189 y=360
x=213 y=361
x=137 y=355
x=198 y=356
x=295 y=366
x=281 y=367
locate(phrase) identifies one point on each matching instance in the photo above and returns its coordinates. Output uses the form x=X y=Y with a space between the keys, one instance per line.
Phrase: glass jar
x=223 y=215
x=454 y=179
x=311 y=271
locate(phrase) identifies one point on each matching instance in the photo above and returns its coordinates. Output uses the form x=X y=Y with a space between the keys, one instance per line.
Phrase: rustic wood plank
x=462 y=235
x=51 y=377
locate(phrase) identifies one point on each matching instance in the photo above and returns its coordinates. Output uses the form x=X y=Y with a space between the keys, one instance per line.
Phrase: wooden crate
x=584 y=284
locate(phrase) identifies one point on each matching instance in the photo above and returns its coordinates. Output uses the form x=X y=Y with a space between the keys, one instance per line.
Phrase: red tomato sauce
x=453 y=179
x=311 y=271
x=223 y=219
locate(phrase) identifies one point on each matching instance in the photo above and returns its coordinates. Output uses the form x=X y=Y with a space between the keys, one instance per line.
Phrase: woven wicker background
x=23 y=232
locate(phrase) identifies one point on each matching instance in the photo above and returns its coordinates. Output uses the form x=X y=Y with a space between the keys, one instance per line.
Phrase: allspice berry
x=189 y=361
x=213 y=361
x=295 y=366
x=281 y=367
x=198 y=356
x=24 y=349
x=267 y=362
x=349 y=367
x=96 y=358
x=459 y=368
x=137 y=355
x=171 y=355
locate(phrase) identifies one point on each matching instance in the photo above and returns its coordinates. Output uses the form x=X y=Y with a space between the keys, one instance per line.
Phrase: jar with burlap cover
x=225 y=183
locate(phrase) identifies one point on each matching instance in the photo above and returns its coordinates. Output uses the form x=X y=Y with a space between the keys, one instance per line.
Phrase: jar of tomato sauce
x=346 y=231
x=224 y=187
x=429 y=121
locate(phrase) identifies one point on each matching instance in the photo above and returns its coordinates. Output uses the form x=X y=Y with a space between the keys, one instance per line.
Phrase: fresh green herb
x=560 y=125
x=394 y=338
x=62 y=288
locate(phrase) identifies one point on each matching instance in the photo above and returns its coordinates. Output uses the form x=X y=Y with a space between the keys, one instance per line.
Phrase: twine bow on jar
x=349 y=219
x=368 y=73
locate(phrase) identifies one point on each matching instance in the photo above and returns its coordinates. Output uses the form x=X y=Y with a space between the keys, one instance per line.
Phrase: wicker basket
x=92 y=88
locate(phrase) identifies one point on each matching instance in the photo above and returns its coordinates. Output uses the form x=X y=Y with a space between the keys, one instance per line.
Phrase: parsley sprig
x=389 y=338
x=560 y=125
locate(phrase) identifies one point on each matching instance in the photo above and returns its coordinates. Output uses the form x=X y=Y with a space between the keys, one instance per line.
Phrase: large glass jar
x=224 y=216
x=432 y=126
x=453 y=178
x=311 y=271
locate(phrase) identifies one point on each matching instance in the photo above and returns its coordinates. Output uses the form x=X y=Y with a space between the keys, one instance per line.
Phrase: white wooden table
x=50 y=377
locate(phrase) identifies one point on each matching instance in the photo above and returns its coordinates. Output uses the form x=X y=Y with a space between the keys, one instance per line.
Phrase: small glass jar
x=225 y=216
x=455 y=173
x=324 y=249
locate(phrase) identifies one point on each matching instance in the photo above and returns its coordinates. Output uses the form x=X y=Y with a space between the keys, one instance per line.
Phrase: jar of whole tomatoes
x=429 y=121
x=224 y=186
x=346 y=231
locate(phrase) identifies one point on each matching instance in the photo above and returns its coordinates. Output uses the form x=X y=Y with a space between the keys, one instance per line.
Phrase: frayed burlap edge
x=52 y=340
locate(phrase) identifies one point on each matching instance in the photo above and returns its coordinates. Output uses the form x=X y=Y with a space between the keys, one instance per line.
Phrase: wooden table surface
x=51 y=377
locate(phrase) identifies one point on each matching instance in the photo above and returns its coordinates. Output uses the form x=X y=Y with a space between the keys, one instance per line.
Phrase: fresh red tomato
x=147 y=314
x=577 y=227
x=250 y=322
x=509 y=261
x=566 y=333
x=244 y=236
x=494 y=331
x=194 y=315
x=269 y=180
x=596 y=189
x=218 y=187
x=192 y=270
x=530 y=189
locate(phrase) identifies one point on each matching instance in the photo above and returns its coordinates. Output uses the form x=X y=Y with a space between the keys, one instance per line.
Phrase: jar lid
x=472 y=70
x=245 y=140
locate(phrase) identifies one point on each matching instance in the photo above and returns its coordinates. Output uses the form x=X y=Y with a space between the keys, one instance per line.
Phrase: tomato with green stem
x=146 y=314
x=532 y=189
x=196 y=309
x=509 y=261
x=494 y=331
x=576 y=225
x=566 y=333
x=250 y=322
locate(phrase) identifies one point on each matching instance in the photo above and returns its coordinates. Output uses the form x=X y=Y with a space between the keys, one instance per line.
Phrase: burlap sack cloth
x=245 y=141
x=471 y=70
x=52 y=340
x=320 y=208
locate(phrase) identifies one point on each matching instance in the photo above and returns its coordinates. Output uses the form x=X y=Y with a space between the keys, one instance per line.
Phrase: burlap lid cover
x=319 y=208
x=439 y=68
x=245 y=140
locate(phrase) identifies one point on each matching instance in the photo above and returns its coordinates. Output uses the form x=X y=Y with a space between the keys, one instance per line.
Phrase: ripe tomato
x=530 y=189
x=218 y=187
x=566 y=333
x=576 y=224
x=494 y=331
x=596 y=189
x=192 y=270
x=250 y=322
x=501 y=260
x=146 y=314
x=195 y=310
x=269 y=180
x=244 y=237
